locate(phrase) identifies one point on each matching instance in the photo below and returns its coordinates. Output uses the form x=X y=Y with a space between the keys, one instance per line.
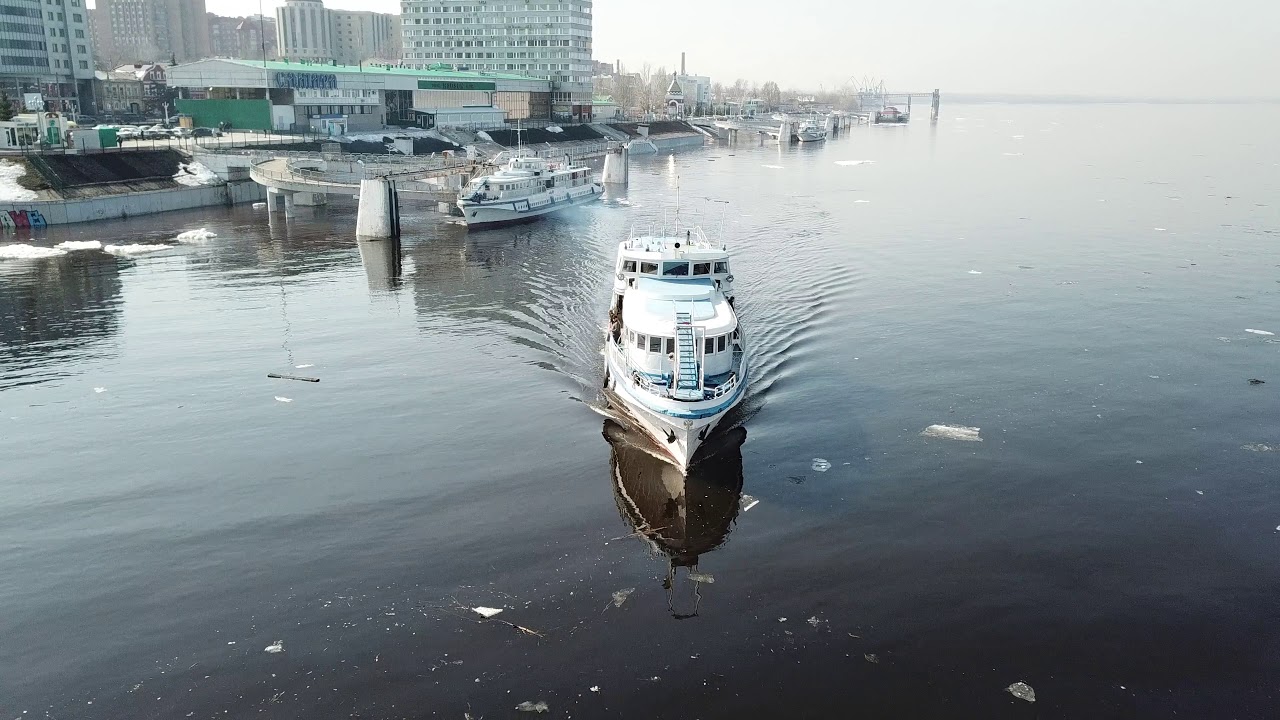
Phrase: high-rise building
x=242 y=37
x=306 y=30
x=45 y=48
x=132 y=31
x=549 y=39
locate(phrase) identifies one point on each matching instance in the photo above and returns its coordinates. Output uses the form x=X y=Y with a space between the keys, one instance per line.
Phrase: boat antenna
x=677 y=201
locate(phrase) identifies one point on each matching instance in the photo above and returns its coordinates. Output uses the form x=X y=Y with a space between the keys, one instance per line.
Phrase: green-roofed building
x=334 y=99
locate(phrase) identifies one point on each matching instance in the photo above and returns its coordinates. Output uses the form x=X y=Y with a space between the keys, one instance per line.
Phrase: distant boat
x=891 y=115
x=525 y=188
x=811 y=131
x=675 y=355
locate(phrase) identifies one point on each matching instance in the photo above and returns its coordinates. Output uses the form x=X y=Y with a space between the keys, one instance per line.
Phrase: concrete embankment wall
x=62 y=212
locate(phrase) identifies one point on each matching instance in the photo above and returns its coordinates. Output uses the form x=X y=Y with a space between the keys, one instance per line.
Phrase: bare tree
x=771 y=95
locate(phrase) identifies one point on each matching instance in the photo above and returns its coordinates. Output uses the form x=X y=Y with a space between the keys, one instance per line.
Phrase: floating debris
x=821 y=465
x=534 y=707
x=1022 y=691
x=621 y=596
x=275 y=647
x=486 y=612
x=1258 y=332
x=700 y=577
x=872 y=658
x=279 y=376
x=814 y=621
x=746 y=502
x=953 y=432
x=1256 y=381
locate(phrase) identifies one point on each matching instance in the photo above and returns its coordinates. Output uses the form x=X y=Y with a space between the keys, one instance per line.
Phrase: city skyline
x=1176 y=49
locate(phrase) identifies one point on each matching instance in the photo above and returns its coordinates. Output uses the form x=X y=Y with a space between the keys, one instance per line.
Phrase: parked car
x=155 y=132
x=206 y=132
x=127 y=132
x=181 y=132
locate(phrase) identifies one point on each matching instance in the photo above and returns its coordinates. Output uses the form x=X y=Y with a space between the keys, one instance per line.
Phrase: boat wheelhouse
x=675 y=354
x=526 y=187
x=811 y=131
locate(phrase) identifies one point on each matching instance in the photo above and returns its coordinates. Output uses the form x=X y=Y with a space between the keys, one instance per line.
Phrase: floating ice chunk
x=1259 y=447
x=1018 y=137
x=849 y=163
x=1199 y=492
x=814 y=621
x=134 y=249
x=1013 y=154
x=1258 y=332
x=1159 y=229
x=953 y=432
x=772 y=167
x=782 y=619
x=1022 y=691
x=698 y=577
x=861 y=201
x=554 y=129
x=872 y=658
x=534 y=707
x=79 y=245
x=196 y=236
x=22 y=251
x=621 y=596
x=486 y=612
x=820 y=465
x=746 y=502
x=975 y=272
x=284 y=399
x=304 y=365
x=99 y=389
x=259 y=205
x=275 y=647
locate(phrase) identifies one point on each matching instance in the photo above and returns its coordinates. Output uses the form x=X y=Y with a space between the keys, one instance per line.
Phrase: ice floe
x=486 y=612
x=772 y=167
x=134 y=249
x=975 y=272
x=79 y=245
x=953 y=432
x=195 y=236
x=275 y=647
x=22 y=251
x=99 y=389
x=821 y=465
x=1258 y=332
x=746 y=502
x=534 y=707
x=283 y=399
x=1022 y=691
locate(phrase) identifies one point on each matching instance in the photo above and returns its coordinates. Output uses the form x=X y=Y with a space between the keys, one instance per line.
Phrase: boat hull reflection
x=682 y=516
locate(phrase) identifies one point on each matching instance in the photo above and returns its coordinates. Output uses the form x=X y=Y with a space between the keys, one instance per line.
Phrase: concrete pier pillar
x=786 y=130
x=937 y=103
x=831 y=125
x=378 y=214
x=275 y=200
x=288 y=205
x=308 y=199
x=616 y=166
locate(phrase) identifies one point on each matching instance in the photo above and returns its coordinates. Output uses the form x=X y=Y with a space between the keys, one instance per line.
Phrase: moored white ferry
x=811 y=131
x=526 y=187
x=675 y=355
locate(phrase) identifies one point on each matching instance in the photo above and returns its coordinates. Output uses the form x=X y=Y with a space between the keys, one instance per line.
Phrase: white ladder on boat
x=686 y=359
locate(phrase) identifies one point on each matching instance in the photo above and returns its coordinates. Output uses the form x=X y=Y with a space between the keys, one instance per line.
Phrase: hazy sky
x=1146 y=48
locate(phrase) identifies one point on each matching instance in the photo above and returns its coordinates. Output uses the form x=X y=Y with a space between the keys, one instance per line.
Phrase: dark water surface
x=1075 y=281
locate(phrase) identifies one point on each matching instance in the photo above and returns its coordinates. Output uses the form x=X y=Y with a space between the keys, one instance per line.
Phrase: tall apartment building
x=547 y=38
x=242 y=37
x=306 y=30
x=45 y=48
x=133 y=31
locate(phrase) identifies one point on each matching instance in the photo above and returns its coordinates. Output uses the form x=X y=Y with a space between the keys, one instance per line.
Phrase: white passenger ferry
x=676 y=358
x=526 y=187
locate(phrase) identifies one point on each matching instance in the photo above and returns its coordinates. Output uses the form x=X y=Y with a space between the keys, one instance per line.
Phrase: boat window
x=722 y=266
x=720 y=343
x=671 y=345
x=639 y=342
x=702 y=268
x=709 y=346
x=675 y=268
x=628 y=266
x=655 y=344
x=649 y=268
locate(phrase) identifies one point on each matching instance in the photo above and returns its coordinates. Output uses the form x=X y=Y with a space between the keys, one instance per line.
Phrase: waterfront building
x=148 y=31
x=45 y=51
x=550 y=39
x=332 y=98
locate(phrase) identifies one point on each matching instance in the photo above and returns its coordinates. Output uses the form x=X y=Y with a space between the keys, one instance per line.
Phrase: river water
x=1079 y=282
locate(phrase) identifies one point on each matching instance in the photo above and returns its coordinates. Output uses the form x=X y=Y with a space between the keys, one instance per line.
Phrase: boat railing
x=640 y=232
x=637 y=374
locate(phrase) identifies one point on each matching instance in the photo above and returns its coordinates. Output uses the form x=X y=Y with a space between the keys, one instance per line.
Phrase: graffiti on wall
x=15 y=219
